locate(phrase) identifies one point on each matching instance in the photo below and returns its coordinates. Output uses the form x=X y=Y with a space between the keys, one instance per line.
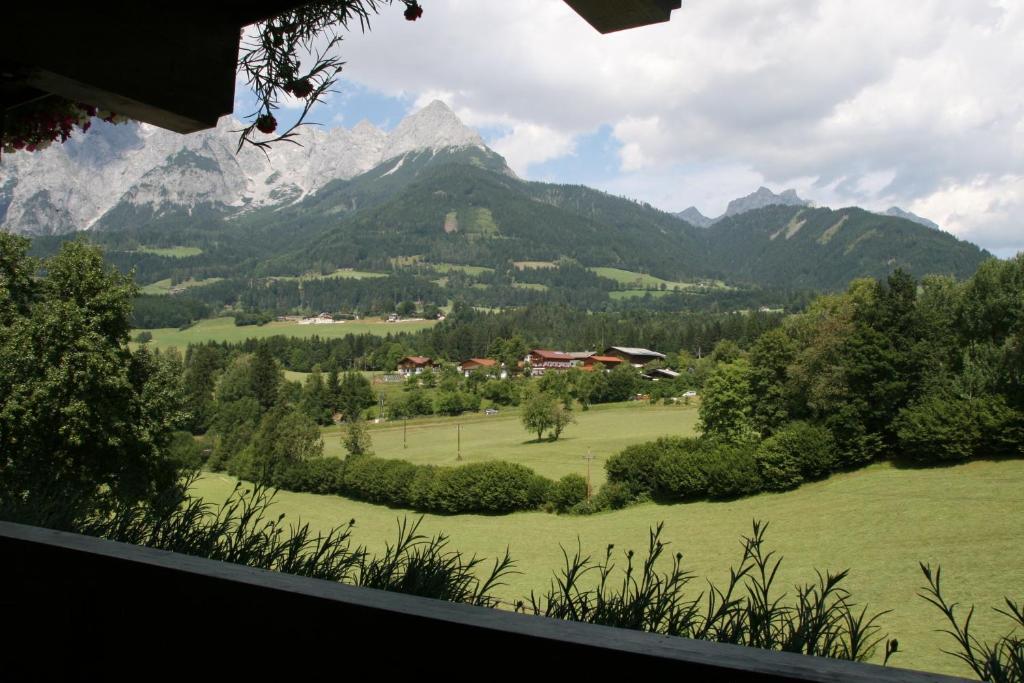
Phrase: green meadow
x=172 y=252
x=641 y=281
x=164 y=286
x=225 y=330
x=600 y=431
x=878 y=522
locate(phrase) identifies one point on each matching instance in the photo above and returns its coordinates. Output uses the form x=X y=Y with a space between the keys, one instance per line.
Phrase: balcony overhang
x=172 y=65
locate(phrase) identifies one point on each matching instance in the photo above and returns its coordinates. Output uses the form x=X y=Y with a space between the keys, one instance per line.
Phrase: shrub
x=325 y=476
x=944 y=428
x=682 y=472
x=379 y=480
x=613 y=496
x=567 y=492
x=796 y=453
x=731 y=471
x=635 y=466
x=492 y=487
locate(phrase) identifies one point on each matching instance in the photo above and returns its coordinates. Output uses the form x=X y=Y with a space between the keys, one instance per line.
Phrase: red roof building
x=411 y=365
x=468 y=366
x=590 y=362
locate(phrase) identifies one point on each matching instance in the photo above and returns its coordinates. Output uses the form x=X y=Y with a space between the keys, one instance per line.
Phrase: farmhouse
x=473 y=364
x=322 y=319
x=634 y=356
x=545 y=360
x=593 y=360
x=414 y=365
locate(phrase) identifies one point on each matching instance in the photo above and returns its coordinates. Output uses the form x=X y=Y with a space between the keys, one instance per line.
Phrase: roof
x=416 y=360
x=81 y=56
x=665 y=372
x=553 y=355
x=634 y=351
x=605 y=359
x=580 y=354
x=486 y=362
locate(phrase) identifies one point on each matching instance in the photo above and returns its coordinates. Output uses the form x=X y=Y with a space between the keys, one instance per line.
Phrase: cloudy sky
x=915 y=103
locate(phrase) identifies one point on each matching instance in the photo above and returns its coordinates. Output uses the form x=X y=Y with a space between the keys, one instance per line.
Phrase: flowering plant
x=270 y=59
x=37 y=124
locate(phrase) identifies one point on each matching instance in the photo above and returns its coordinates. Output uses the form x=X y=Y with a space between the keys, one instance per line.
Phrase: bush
x=944 y=428
x=613 y=496
x=567 y=492
x=379 y=480
x=635 y=467
x=184 y=450
x=797 y=453
x=324 y=476
x=682 y=471
x=731 y=472
x=491 y=487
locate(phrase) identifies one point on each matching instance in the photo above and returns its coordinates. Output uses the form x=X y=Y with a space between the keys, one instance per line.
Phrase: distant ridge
x=758 y=199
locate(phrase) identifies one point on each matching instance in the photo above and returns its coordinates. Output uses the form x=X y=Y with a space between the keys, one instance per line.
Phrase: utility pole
x=588 y=457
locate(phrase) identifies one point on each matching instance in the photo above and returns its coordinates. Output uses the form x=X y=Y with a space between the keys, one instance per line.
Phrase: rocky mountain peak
x=764 y=197
x=72 y=186
x=900 y=213
x=434 y=127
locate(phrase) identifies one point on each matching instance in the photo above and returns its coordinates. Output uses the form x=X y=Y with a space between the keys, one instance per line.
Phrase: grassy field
x=637 y=293
x=878 y=522
x=172 y=252
x=602 y=431
x=224 y=329
x=164 y=286
x=341 y=273
x=449 y=267
x=641 y=281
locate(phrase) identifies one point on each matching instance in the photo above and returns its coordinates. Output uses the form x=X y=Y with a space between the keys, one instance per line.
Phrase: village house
x=322 y=319
x=473 y=364
x=415 y=365
x=544 y=360
x=593 y=360
x=634 y=356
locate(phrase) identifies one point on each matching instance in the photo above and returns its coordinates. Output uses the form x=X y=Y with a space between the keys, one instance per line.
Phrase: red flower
x=266 y=124
x=299 y=88
x=413 y=11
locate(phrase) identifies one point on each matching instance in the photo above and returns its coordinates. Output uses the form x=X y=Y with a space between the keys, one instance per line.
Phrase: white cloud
x=532 y=144
x=877 y=103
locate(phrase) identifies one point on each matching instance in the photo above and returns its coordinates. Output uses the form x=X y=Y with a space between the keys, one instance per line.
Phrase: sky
x=916 y=104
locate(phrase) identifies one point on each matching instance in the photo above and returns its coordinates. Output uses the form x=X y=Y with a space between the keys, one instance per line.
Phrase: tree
x=354 y=395
x=561 y=417
x=727 y=404
x=356 y=439
x=538 y=413
x=265 y=377
x=85 y=423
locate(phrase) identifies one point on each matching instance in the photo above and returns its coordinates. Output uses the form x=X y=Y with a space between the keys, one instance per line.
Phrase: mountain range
x=429 y=191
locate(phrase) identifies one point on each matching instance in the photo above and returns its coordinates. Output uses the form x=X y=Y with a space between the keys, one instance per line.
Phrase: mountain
x=428 y=192
x=759 y=199
x=824 y=248
x=142 y=172
x=900 y=213
x=695 y=217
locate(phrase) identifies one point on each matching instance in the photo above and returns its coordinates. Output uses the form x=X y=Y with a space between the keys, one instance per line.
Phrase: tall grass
x=748 y=610
x=1001 y=661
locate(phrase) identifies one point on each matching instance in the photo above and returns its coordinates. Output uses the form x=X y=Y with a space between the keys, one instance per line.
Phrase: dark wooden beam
x=70 y=593
x=617 y=15
x=173 y=69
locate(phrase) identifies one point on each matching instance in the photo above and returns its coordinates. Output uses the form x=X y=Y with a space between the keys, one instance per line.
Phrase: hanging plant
x=270 y=59
x=37 y=125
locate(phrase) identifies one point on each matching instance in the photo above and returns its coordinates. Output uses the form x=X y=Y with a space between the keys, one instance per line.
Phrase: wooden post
x=405 y=427
x=458 y=453
x=588 y=457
